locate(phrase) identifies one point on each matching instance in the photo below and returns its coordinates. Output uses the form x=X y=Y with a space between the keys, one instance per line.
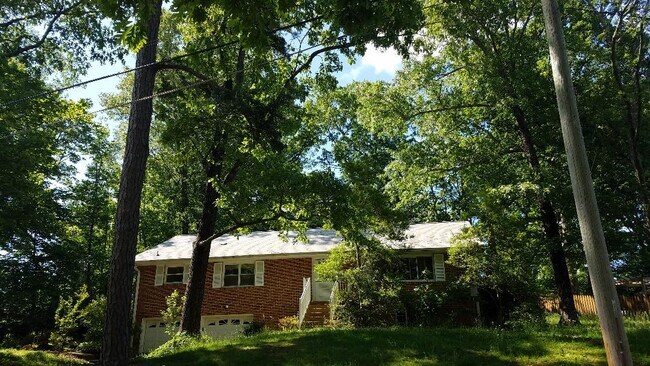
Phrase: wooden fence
x=586 y=305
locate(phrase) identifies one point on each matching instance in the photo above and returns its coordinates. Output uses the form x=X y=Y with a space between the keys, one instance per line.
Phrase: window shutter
x=216 y=275
x=439 y=265
x=160 y=275
x=186 y=274
x=259 y=273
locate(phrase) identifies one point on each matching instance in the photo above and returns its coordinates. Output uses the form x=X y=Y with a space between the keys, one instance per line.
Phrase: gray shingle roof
x=264 y=243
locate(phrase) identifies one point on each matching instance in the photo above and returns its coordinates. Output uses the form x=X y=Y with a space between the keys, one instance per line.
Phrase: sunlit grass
x=534 y=345
x=14 y=357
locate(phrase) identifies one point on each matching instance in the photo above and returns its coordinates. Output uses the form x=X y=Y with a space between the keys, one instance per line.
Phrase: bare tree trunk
x=602 y=282
x=551 y=225
x=191 y=317
x=117 y=324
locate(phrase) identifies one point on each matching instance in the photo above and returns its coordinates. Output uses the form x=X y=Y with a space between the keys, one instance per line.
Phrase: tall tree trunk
x=185 y=202
x=602 y=282
x=551 y=226
x=117 y=324
x=191 y=317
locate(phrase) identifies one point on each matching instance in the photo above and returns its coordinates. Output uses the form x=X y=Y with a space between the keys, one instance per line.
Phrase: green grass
x=14 y=357
x=550 y=345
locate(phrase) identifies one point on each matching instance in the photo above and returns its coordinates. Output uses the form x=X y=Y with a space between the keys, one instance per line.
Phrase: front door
x=320 y=291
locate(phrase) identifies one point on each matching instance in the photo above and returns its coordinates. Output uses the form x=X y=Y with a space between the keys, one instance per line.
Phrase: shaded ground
x=415 y=346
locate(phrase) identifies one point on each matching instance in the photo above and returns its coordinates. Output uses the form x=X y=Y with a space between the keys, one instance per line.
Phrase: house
x=261 y=277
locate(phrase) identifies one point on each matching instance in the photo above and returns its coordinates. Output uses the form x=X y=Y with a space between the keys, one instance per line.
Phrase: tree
x=115 y=344
x=42 y=140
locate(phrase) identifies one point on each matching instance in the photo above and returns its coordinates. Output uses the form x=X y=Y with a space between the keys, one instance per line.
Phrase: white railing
x=333 y=297
x=305 y=299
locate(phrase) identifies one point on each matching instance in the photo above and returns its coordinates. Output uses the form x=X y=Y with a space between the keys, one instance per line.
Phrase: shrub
x=424 y=305
x=289 y=323
x=68 y=321
x=93 y=320
x=9 y=341
x=78 y=323
x=253 y=328
x=370 y=272
x=172 y=313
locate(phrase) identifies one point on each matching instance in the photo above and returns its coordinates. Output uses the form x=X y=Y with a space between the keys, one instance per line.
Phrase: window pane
x=174 y=275
x=231 y=269
x=248 y=269
x=425 y=268
x=230 y=280
x=174 y=270
x=413 y=269
x=247 y=280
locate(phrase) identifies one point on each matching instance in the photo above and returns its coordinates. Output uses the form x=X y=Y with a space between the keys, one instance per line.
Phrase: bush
x=424 y=305
x=289 y=323
x=253 y=328
x=78 y=323
x=172 y=314
x=9 y=341
x=370 y=272
x=93 y=320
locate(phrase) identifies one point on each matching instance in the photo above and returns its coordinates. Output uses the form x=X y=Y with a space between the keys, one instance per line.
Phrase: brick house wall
x=277 y=298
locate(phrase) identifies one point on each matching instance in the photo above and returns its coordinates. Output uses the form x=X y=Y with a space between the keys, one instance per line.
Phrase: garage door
x=153 y=334
x=225 y=326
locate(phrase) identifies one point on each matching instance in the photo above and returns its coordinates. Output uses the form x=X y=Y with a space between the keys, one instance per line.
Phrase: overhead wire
x=163 y=61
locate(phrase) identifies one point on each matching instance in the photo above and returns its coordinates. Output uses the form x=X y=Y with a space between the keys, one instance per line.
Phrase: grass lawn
x=13 y=357
x=549 y=345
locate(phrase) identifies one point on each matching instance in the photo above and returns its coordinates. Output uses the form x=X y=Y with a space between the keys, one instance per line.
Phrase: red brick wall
x=276 y=299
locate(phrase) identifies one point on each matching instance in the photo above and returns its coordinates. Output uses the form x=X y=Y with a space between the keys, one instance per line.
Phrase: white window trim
x=223 y=277
x=433 y=263
x=183 y=277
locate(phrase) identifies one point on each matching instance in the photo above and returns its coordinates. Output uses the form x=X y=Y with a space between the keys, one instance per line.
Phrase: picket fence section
x=586 y=305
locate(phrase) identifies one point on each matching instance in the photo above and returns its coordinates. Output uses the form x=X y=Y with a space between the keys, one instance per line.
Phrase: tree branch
x=443 y=109
x=47 y=32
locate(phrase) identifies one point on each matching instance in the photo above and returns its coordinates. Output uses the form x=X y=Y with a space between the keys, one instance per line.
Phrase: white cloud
x=382 y=60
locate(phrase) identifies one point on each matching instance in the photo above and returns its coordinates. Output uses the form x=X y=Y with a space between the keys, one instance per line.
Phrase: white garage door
x=225 y=326
x=153 y=334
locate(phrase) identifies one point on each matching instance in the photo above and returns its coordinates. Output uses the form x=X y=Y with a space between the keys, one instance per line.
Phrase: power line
x=202 y=82
x=175 y=58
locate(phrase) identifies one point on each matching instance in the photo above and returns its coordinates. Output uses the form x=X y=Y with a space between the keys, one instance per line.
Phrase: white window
x=417 y=268
x=238 y=275
x=175 y=274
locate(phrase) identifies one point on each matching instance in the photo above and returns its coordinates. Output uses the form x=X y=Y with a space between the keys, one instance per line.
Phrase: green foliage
x=78 y=323
x=67 y=320
x=172 y=313
x=372 y=287
x=425 y=303
x=93 y=323
x=289 y=323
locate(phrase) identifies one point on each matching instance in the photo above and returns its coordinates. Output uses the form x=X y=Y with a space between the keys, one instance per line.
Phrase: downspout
x=135 y=304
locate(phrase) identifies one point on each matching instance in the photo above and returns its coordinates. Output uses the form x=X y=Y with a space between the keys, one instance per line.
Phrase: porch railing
x=333 y=298
x=305 y=299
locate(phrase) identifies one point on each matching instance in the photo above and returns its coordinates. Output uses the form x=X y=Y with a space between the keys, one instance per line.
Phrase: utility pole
x=593 y=239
